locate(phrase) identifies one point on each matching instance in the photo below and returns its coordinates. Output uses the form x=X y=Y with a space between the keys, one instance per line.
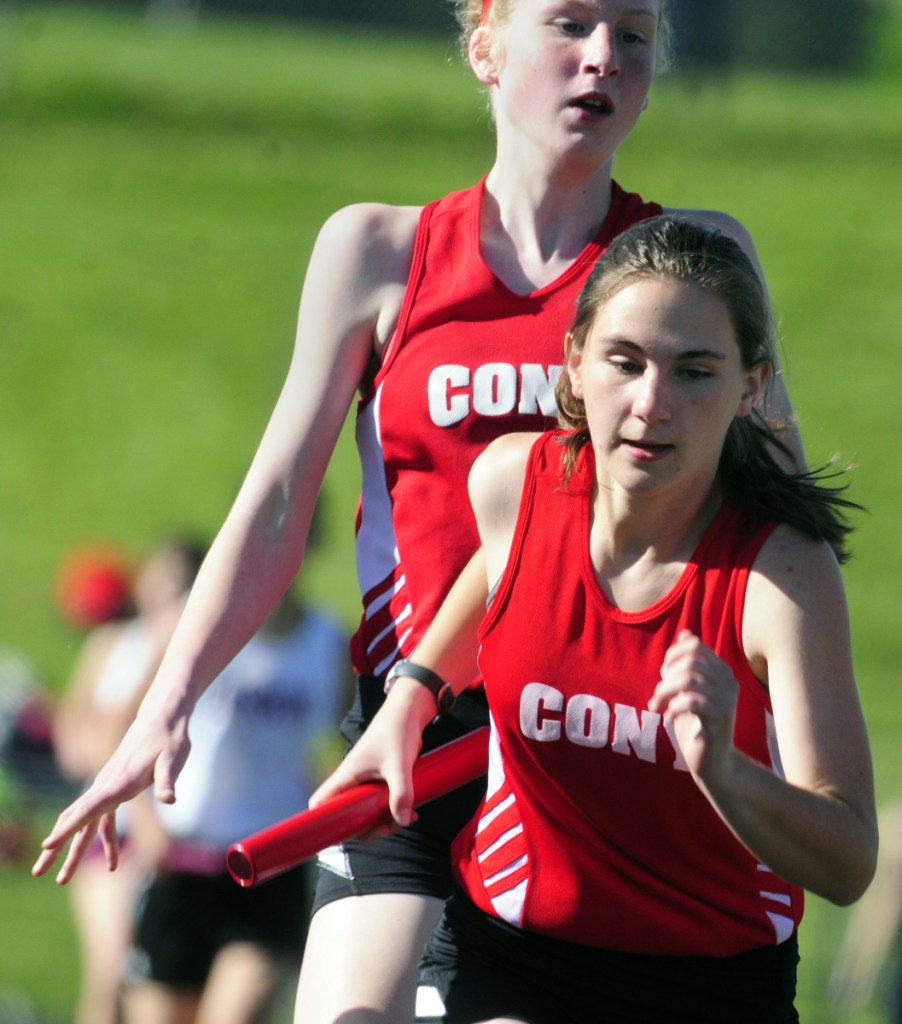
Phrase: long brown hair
x=748 y=472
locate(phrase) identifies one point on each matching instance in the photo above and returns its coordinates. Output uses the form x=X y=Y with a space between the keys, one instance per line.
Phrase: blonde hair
x=469 y=18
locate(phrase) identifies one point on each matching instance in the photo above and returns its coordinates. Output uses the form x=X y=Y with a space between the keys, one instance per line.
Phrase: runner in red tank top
x=677 y=747
x=492 y=271
x=462 y=384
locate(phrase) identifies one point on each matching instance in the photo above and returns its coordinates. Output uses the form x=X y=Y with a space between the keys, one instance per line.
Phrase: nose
x=652 y=399
x=600 y=52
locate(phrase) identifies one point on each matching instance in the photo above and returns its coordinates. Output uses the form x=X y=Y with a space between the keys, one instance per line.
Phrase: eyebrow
x=643 y=11
x=691 y=353
x=701 y=353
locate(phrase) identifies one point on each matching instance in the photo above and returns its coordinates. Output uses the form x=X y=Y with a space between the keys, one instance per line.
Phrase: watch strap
x=440 y=690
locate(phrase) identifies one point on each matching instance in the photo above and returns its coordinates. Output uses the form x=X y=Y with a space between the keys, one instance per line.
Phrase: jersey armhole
x=415 y=275
x=500 y=591
x=761 y=537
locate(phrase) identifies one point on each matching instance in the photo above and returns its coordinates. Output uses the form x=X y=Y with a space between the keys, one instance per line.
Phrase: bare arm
x=449 y=646
x=392 y=741
x=817 y=826
x=355 y=280
x=357 y=269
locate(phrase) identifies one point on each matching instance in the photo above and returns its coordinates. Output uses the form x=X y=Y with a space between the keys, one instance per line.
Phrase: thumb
x=110 y=840
x=166 y=770
x=163 y=787
x=400 y=794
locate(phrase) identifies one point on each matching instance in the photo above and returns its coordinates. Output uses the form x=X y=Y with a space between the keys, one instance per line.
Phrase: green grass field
x=160 y=190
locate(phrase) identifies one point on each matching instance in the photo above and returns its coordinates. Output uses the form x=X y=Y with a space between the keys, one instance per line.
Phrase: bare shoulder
x=496 y=479
x=357 y=274
x=375 y=235
x=503 y=457
x=796 y=562
x=724 y=221
x=795 y=595
x=383 y=220
x=496 y=487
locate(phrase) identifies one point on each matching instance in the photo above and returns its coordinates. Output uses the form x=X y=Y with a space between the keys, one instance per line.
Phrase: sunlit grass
x=159 y=195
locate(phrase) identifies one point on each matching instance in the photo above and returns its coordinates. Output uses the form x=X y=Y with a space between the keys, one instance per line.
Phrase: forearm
x=260 y=546
x=813 y=839
x=450 y=645
x=393 y=739
x=250 y=564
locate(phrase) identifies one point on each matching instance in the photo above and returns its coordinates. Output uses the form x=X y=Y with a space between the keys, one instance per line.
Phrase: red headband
x=486 y=7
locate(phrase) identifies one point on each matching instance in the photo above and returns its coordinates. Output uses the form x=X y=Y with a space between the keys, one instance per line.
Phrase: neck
x=639 y=556
x=660 y=528
x=533 y=229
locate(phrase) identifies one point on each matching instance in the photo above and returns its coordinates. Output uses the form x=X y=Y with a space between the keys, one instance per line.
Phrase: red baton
x=290 y=842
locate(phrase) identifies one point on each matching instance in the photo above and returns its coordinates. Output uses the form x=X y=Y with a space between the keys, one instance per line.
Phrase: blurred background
x=164 y=168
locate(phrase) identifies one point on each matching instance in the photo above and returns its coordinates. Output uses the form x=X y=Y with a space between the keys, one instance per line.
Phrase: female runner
x=677 y=745
x=447 y=321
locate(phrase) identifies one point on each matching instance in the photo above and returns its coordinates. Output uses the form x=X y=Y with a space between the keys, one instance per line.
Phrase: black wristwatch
x=440 y=690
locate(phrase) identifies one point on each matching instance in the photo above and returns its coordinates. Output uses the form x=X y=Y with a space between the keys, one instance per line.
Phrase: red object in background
x=290 y=842
x=93 y=585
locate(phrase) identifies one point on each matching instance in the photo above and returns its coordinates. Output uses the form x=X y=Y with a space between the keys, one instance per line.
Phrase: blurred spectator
x=114 y=666
x=873 y=929
x=205 y=949
x=93 y=586
x=28 y=770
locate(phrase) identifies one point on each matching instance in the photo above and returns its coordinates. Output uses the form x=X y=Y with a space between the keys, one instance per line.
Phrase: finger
x=341 y=779
x=387 y=828
x=165 y=771
x=110 y=840
x=163 y=790
x=683 y=650
x=685 y=703
x=73 y=819
x=684 y=639
x=400 y=796
x=77 y=849
x=45 y=860
x=668 y=689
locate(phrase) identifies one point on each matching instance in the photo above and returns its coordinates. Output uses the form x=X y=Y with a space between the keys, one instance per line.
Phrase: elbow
x=850 y=883
x=850 y=891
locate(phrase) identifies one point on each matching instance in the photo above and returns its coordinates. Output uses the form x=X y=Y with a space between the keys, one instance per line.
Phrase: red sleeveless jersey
x=470 y=360
x=593 y=830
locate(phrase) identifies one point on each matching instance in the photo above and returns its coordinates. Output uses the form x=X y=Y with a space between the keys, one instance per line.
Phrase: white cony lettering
x=493 y=389
x=629 y=735
x=680 y=760
x=446 y=404
x=546 y=715
x=588 y=720
x=538 y=707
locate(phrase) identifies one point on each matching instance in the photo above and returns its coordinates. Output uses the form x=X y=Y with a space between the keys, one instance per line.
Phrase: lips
x=646 y=450
x=595 y=103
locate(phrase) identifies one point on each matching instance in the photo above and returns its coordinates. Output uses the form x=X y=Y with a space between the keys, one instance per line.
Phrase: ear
x=573 y=365
x=755 y=382
x=481 y=52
